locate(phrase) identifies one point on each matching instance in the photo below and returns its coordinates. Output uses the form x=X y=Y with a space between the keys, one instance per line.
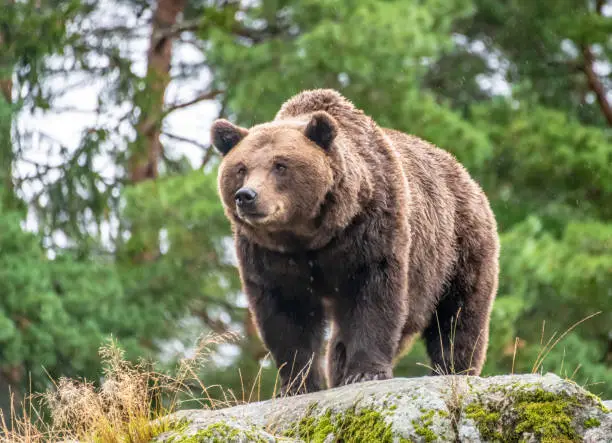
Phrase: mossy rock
x=352 y=425
x=221 y=432
x=519 y=408
x=532 y=408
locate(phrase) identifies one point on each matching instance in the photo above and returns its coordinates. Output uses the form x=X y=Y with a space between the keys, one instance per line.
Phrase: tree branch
x=204 y=96
x=237 y=29
x=595 y=84
x=216 y=325
x=186 y=140
x=178 y=28
x=593 y=81
x=209 y=150
x=210 y=153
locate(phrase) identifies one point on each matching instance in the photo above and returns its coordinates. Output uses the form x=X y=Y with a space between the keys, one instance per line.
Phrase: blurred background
x=110 y=223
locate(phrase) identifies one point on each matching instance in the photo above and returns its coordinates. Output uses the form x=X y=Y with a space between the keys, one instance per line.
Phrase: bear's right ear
x=321 y=129
x=225 y=135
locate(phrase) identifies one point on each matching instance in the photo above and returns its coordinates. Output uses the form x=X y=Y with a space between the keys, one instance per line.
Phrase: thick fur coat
x=379 y=233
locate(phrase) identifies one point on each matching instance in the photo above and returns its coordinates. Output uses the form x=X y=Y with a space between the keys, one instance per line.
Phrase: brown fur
x=377 y=231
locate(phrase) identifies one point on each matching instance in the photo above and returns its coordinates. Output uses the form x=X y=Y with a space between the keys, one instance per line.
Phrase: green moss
x=217 y=432
x=598 y=402
x=591 y=423
x=548 y=419
x=545 y=415
x=486 y=421
x=312 y=428
x=422 y=426
x=362 y=425
x=426 y=433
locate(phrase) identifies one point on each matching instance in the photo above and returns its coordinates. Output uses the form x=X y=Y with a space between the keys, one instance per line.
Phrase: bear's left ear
x=321 y=129
x=225 y=135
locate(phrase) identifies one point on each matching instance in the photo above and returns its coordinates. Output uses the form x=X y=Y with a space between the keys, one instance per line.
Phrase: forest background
x=110 y=222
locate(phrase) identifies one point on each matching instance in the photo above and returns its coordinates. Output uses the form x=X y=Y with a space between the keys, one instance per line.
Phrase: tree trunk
x=11 y=377
x=595 y=84
x=593 y=81
x=146 y=150
x=8 y=199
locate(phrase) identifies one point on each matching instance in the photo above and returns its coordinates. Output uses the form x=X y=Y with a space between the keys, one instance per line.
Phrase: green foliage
x=360 y=47
x=53 y=314
x=193 y=273
x=547 y=163
x=559 y=282
x=31 y=30
x=541 y=149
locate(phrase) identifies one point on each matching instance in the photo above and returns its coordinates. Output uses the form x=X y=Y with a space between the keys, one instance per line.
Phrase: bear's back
x=443 y=198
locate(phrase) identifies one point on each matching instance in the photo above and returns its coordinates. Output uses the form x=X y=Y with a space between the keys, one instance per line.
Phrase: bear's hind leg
x=458 y=334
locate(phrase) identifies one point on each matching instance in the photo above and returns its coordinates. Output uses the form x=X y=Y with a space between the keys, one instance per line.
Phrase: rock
x=530 y=408
x=515 y=408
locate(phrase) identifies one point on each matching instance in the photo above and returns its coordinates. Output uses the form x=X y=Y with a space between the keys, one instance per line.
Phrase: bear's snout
x=245 y=198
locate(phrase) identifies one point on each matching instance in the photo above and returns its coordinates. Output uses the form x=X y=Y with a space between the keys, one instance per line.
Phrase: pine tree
x=518 y=91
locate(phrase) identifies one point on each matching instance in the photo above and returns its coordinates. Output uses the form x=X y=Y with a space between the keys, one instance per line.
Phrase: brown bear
x=381 y=233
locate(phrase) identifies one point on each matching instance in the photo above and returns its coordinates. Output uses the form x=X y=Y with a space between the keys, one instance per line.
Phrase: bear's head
x=275 y=177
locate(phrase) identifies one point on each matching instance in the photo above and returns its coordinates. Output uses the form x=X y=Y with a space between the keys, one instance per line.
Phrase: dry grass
x=448 y=361
x=455 y=401
x=448 y=367
x=129 y=405
x=552 y=342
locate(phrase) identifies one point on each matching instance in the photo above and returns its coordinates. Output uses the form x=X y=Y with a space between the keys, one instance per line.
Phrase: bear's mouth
x=256 y=218
x=252 y=217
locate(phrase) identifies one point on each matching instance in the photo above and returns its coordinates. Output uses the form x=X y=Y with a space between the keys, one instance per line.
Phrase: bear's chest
x=314 y=272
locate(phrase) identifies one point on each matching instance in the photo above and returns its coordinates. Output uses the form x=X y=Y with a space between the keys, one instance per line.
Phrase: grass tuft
x=129 y=405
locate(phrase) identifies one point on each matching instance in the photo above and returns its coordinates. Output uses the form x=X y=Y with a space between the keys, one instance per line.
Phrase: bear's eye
x=279 y=167
x=241 y=171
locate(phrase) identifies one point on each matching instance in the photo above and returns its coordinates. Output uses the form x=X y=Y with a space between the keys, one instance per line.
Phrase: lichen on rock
x=518 y=408
x=422 y=427
x=222 y=432
x=544 y=409
x=352 y=425
x=543 y=415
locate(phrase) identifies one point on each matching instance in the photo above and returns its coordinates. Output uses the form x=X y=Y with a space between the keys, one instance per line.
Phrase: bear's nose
x=245 y=196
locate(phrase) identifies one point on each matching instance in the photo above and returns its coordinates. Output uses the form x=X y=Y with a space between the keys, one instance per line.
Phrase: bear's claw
x=364 y=376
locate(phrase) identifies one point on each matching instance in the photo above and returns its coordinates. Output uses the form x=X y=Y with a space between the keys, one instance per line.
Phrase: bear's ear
x=225 y=135
x=321 y=129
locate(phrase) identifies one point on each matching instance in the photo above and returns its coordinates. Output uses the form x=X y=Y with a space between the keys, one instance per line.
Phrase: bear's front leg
x=291 y=324
x=369 y=315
